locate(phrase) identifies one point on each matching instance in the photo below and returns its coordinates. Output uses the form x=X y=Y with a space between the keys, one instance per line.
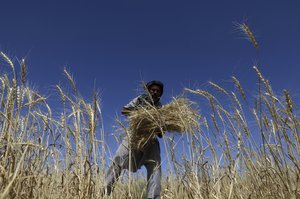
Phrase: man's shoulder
x=143 y=100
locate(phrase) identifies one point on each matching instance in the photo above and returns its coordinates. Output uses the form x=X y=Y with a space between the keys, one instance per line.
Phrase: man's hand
x=126 y=111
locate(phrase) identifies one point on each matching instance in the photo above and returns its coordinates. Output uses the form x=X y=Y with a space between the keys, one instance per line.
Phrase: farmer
x=149 y=156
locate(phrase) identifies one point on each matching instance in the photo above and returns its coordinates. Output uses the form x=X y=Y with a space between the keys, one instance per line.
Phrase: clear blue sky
x=113 y=45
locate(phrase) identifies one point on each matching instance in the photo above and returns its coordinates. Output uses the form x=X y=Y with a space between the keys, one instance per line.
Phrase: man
x=149 y=156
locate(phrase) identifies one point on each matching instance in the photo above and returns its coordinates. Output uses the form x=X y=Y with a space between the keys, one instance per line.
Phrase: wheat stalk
x=71 y=79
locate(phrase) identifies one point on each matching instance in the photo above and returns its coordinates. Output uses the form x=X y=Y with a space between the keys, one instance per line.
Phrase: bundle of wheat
x=177 y=116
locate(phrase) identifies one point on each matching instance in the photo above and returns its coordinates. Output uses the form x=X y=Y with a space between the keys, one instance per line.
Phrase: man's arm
x=126 y=111
x=131 y=106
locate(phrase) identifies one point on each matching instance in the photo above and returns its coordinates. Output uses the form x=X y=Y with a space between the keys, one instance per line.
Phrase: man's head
x=156 y=89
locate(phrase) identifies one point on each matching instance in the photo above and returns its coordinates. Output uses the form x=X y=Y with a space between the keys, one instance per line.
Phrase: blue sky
x=113 y=45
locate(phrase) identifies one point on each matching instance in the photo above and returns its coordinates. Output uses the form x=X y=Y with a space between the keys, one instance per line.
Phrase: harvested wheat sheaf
x=177 y=116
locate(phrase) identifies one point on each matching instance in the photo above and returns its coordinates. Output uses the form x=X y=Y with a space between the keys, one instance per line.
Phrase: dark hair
x=157 y=83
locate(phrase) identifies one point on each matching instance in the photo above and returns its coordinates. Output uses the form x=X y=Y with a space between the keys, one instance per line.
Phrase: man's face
x=155 y=92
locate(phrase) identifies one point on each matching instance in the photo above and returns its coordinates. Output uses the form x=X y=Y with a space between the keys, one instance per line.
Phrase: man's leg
x=153 y=166
x=154 y=180
x=111 y=177
x=120 y=162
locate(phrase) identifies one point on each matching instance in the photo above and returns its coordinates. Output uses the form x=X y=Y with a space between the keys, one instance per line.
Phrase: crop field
x=244 y=146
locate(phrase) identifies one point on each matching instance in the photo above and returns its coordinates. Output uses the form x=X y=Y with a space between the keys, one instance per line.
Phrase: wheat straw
x=218 y=88
x=10 y=63
x=177 y=116
x=71 y=79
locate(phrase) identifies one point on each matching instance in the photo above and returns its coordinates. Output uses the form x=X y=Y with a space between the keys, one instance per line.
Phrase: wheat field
x=245 y=146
